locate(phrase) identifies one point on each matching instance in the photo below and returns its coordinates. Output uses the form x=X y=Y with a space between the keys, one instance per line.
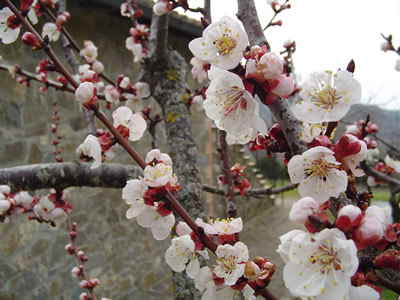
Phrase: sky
x=329 y=33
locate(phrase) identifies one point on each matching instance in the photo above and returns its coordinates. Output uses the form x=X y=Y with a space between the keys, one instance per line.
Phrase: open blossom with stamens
x=130 y=125
x=317 y=173
x=204 y=282
x=159 y=175
x=91 y=148
x=9 y=26
x=327 y=97
x=222 y=44
x=181 y=251
x=231 y=262
x=231 y=105
x=319 y=265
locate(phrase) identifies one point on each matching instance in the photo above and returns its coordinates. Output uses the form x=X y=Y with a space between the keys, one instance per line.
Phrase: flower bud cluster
x=146 y=195
x=239 y=184
x=362 y=129
x=14 y=203
x=138 y=42
x=131 y=10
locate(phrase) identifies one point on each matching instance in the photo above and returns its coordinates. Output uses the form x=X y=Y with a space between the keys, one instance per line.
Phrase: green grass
x=388 y=295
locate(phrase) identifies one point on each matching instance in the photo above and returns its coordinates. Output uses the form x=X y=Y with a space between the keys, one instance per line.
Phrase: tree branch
x=226 y=171
x=63 y=175
x=252 y=192
x=158 y=41
x=291 y=127
x=74 y=63
x=381 y=176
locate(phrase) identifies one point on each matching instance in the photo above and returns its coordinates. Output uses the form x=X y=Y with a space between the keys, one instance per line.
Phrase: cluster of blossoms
x=103 y=146
x=364 y=131
x=49 y=208
x=322 y=171
x=233 y=272
x=389 y=166
x=138 y=40
x=229 y=97
x=132 y=93
x=146 y=195
x=239 y=184
x=324 y=261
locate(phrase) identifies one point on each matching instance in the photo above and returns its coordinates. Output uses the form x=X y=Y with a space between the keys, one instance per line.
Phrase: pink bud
x=81 y=253
x=86 y=93
x=4 y=206
x=302 y=209
x=285 y=86
x=29 y=39
x=160 y=8
x=94 y=282
x=83 y=296
x=85 y=284
x=89 y=76
x=349 y=217
x=369 y=232
x=98 y=67
x=76 y=272
x=388 y=259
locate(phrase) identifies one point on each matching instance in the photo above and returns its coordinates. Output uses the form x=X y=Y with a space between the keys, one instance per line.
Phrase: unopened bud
x=29 y=39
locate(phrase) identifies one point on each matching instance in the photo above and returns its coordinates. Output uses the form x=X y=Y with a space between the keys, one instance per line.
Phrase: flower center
x=13 y=22
x=326 y=258
x=225 y=44
x=327 y=97
x=232 y=99
x=319 y=168
x=228 y=264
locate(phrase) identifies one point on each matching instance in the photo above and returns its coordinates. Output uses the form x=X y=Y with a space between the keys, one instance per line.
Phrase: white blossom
x=133 y=194
x=136 y=48
x=316 y=171
x=394 y=164
x=89 y=52
x=320 y=265
x=181 y=251
x=160 y=8
x=222 y=44
x=135 y=123
x=85 y=92
x=159 y=175
x=160 y=226
x=50 y=29
x=228 y=103
x=302 y=209
x=91 y=147
x=8 y=31
x=230 y=262
x=327 y=97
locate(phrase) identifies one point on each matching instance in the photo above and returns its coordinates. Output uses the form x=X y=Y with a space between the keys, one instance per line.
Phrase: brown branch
x=49 y=83
x=226 y=171
x=378 y=175
x=252 y=192
x=73 y=62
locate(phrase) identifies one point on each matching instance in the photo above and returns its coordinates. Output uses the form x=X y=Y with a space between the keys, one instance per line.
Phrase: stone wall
x=127 y=261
